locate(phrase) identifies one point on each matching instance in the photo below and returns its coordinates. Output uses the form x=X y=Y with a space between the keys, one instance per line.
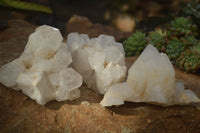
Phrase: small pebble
x=86 y=103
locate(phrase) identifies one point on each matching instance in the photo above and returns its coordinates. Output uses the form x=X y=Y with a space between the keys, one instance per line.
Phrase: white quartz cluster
x=100 y=61
x=150 y=79
x=42 y=71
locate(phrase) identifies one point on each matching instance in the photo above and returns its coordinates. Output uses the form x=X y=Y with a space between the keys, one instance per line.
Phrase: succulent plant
x=190 y=40
x=179 y=41
x=157 y=38
x=174 y=48
x=189 y=61
x=196 y=48
x=181 y=26
x=192 y=8
x=135 y=44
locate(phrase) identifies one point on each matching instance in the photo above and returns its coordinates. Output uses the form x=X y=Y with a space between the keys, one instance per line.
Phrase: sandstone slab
x=20 y=114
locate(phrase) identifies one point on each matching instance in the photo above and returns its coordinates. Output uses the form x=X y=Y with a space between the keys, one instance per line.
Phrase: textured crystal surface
x=100 y=61
x=42 y=71
x=150 y=79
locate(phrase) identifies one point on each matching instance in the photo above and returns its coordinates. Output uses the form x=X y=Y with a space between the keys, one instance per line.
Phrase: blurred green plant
x=178 y=40
x=157 y=38
x=135 y=44
x=192 y=8
x=174 y=48
x=188 y=61
x=182 y=26
x=25 y=6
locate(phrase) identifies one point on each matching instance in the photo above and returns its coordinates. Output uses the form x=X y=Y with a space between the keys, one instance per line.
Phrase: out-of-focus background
x=124 y=15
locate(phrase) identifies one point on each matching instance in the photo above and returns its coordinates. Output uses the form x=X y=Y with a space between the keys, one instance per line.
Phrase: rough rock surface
x=17 y=28
x=20 y=114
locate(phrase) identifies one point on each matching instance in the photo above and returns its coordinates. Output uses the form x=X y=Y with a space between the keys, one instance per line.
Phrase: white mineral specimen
x=100 y=61
x=150 y=79
x=42 y=72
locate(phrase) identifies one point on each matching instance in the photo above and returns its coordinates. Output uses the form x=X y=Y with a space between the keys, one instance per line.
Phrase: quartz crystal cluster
x=150 y=79
x=42 y=71
x=100 y=61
